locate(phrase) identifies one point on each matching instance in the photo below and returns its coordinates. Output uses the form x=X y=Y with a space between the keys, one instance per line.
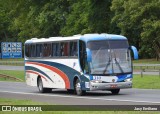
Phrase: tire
x=70 y=90
x=115 y=91
x=41 y=88
x=78 y=89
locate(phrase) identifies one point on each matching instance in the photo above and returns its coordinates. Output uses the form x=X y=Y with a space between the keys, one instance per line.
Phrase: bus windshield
x=109 y=57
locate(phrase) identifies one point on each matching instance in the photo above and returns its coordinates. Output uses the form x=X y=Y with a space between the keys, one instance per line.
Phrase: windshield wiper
x=118 y=63
x=109 y=62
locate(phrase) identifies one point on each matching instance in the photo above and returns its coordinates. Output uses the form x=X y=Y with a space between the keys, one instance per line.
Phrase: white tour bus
x=79 y=63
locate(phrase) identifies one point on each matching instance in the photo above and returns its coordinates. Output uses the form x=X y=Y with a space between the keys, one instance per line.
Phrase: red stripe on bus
x=54 y=69
x=33 y=72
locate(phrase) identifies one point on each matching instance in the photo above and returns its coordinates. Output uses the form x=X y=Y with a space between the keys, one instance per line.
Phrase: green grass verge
x=6 y=101
x=147 y=61
x=17 y=74
x=146 y=82
x=12 y=62
x=20 y=59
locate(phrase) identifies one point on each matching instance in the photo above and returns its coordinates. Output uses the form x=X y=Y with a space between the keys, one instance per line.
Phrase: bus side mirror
x=135 y=52
x=89 y=55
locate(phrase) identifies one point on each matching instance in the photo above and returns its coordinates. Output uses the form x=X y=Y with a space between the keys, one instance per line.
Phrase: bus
x=80 y=63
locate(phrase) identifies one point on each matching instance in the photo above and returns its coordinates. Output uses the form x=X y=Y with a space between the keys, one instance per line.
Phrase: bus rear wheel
x=41 y=88
x=115 y=91
x=78 y=89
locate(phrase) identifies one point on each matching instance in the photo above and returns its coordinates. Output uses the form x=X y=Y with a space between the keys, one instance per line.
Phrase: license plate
x=113 y=86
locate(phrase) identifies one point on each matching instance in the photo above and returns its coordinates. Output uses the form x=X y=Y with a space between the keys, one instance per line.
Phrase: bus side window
x=27 y=50
x=54 y=49
x=73 y=49
x=38 y=50
x=65 y=49
x=47 y=50
x=61 y=49
x=33 y=50
x=44 y=50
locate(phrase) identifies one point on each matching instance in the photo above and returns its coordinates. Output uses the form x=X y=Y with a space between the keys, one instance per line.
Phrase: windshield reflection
x=110 y=57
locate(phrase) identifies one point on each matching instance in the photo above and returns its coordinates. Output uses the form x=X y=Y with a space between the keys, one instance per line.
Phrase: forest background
x=138 y=20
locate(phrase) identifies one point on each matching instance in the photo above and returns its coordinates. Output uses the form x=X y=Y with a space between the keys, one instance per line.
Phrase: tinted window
x=33 y=50
x=73 y=49
x=27 y=50
x=38 y=50
x=64 y=49
x=47 y=50
x=106 y=44
x=55 y=49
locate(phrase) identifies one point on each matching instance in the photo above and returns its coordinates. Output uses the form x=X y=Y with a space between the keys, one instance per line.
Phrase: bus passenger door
x=83 y=57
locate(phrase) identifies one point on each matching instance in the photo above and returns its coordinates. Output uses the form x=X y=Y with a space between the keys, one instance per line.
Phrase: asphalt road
x=20 y=90
x=8 y=67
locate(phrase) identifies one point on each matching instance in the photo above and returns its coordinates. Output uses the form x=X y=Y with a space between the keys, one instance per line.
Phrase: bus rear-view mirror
x=135 y=52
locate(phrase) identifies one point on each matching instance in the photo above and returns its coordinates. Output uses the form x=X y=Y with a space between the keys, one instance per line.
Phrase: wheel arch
x=75 y=78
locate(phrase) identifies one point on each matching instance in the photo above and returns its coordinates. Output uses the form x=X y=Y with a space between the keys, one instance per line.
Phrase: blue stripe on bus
x=37 y=70
x=70 y=72
x=123 y=77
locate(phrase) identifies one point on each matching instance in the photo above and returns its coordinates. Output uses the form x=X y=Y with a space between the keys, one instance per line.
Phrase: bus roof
x=85 y=38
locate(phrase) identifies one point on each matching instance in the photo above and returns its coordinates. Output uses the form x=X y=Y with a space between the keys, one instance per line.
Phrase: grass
x=146 y=82
x=6 y=101
x=150 y=68
x=20 y=59
x=17 y=74
x=147 y=61
x=14 y=62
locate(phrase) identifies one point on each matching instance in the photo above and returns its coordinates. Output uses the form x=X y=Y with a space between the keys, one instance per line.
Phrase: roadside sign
x=11 y=50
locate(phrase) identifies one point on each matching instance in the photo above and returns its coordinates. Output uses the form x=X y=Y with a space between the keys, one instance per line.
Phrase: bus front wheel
x=115 y=91
x=41 y=88
x=78 y=88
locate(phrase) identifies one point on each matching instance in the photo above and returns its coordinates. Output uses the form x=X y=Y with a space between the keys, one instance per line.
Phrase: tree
x=88 y=16
x=135 y=20
x=38 y=18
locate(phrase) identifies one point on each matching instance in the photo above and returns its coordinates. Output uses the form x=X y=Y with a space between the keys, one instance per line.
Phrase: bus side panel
x=53 y=74
x=31 y=79
x=49 y=78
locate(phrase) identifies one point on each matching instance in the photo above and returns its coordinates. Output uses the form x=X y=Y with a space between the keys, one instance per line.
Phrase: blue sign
x=11 y=49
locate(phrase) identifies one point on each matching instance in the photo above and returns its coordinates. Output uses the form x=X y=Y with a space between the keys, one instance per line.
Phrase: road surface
x=7 y=67
x=20 y=90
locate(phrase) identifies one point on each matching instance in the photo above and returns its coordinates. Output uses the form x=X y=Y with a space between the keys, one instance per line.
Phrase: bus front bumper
x=108 y=86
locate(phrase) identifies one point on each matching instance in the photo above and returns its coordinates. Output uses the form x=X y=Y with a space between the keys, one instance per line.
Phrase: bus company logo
x=6 y=108
x=113 y=80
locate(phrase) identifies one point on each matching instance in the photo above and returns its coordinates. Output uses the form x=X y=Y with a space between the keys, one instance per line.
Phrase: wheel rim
x=78 y=88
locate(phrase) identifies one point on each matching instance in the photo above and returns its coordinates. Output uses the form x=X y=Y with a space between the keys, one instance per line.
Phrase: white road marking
x=77 y=97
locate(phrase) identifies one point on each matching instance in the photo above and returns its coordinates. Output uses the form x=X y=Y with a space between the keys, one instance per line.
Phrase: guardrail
x=147 y=68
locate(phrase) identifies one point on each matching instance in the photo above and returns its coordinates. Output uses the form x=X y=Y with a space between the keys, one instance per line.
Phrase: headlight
x=96 y=81
x=128 y=80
